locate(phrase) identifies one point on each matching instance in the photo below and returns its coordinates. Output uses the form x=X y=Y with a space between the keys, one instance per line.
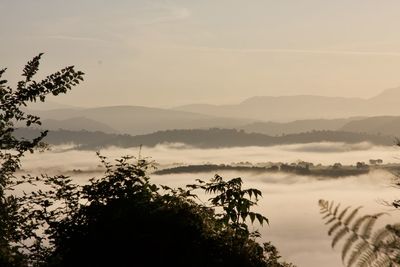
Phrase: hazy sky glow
x=167 y=53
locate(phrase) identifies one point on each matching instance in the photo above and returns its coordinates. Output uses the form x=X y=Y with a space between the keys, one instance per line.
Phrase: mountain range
x=132 y=120
x=300 y=107
x=266 y=115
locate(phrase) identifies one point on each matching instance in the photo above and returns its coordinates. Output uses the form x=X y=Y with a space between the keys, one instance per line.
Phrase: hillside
x=300 y=107
x=386 y=125
x=136 y=120
x=77 y=124
x=210 y=138
x=298 y=126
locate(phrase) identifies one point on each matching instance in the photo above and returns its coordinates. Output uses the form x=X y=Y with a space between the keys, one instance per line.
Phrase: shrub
x=123 y=219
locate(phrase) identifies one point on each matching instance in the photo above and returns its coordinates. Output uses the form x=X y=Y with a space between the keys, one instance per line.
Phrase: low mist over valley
x=305 y=243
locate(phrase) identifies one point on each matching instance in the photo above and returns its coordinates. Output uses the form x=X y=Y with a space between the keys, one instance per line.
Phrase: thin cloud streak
x=171 y=14
x=76 y=38
x=294 y=51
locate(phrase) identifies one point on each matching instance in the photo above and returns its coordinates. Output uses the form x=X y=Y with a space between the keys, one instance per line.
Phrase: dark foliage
x=13 y=148
x=300 y=170
x=124 y=220
x=202 y=138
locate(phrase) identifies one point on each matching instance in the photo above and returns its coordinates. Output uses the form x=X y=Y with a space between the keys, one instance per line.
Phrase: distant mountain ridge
x=301 y=107
x=298 y=126
x=387 y=125
x=135 y=120
x=200 y=138
x=77 y=124
x=254 y=115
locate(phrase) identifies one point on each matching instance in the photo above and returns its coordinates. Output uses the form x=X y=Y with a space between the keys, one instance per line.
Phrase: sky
x=170 y=53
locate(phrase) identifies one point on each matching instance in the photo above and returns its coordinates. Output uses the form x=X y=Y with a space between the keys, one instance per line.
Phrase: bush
x=124 y=220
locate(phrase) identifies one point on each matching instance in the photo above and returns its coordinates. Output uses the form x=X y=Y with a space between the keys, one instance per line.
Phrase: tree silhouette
x=12 y=102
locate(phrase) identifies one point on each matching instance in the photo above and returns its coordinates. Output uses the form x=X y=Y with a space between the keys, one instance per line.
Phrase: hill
x=386 y=125
x=298 y=126
x=210 y=138
x=77 y=124
x=300 y=107
x=136 y=120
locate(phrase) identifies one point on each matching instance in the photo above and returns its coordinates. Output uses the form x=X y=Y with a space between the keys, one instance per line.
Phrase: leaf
x=367 y=228
x=331 y=220
x=357 y=224
x=348 y=220
x=32 y=67
x=349 y=243
x=260 y=218
x=383 y=261
x=339 y=236
x=366 y=257
x=334 y=228
x=326 y=216
x=252 y=216
x=340 y=217
x=357 y=252
x=336 y=209
x=331 y=206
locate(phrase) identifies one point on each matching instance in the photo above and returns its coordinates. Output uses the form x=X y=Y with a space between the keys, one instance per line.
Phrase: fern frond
x=339 y=236
x=349 y=243
x=352 y=215
x=326 y=216
x=334 y=228
x=331 y=206
x=367 y=257
x=330 y=220
x=380 y=248
x=357 y=251
x=382 y=235
x=383 y=261
x=395 y=256
x=367 y=228
x=357 y=224
x=341 y=215
x=336 y=210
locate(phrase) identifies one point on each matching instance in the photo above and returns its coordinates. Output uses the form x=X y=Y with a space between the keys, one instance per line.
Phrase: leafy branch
x=12 y=149
x=235 y=202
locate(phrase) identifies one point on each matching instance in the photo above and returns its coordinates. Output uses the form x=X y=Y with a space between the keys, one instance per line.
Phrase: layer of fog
x=296 y=227
x=326 y=153
x=290 y=201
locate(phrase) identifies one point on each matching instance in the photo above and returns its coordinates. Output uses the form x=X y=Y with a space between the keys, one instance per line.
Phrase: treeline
x=299 y=169
x=201 y=138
